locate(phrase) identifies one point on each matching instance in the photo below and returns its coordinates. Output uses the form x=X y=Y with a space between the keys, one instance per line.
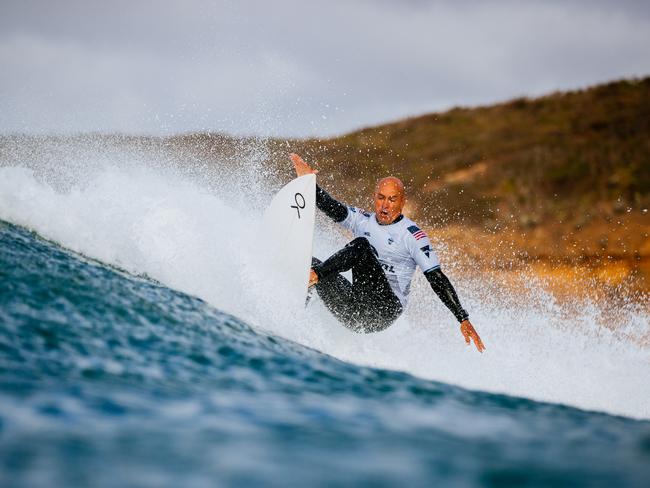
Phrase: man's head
x=389 y=199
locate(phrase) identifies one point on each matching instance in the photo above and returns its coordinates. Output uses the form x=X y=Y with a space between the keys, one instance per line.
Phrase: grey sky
x=297 y=67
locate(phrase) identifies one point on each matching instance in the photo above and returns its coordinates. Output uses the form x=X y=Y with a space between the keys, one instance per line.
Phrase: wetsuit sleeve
x=445 y=291
x=350 y=218
x=334 y=209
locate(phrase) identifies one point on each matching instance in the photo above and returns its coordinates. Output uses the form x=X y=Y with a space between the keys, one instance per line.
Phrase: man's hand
x=301 y=167
x=470 y=334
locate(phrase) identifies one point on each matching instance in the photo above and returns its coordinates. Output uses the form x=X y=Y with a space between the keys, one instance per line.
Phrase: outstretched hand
x=301 y=166
x=470 y=334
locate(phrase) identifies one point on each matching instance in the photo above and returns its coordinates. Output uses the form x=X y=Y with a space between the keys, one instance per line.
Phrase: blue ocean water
x=110 y=379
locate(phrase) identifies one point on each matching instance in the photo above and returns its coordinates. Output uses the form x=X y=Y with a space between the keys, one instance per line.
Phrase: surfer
x=383 y=256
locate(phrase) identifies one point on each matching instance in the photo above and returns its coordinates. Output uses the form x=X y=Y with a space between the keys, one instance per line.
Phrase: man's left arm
x=441 y=285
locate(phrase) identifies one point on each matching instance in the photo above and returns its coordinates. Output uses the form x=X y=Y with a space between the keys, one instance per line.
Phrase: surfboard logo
x=300 y=202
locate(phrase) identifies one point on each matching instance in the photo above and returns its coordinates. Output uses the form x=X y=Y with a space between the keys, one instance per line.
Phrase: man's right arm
x=334 y=209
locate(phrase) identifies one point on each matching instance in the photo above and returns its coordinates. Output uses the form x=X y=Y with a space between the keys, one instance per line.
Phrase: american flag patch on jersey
x=417 y=233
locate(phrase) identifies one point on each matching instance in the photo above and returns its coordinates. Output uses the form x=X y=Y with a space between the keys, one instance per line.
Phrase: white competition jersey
x=400 y=247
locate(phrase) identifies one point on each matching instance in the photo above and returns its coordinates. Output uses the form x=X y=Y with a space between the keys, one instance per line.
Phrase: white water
x=187 y=234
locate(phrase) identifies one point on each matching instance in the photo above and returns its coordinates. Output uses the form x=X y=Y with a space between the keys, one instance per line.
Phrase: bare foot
x=313 y=278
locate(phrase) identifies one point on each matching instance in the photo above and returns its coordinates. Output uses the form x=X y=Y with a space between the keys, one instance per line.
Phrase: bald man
x=383 y=256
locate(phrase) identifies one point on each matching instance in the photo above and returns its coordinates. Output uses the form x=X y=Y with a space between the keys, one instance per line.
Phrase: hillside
x=564 y=177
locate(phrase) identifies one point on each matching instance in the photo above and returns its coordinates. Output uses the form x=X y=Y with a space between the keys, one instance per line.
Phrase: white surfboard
x=288 y=226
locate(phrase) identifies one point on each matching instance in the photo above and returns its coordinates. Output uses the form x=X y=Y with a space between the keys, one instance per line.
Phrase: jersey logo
x=390 y=240
x=417 y=233
x=426 y=250
x=388 y=267
x=366 y=234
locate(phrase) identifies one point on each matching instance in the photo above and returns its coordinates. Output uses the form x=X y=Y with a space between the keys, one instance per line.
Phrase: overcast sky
x=297 y=67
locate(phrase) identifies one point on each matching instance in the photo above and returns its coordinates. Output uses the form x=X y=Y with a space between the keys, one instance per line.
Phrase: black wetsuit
x=369 y=303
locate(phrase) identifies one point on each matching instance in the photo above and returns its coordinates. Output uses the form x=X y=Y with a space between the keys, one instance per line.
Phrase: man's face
x=389 y=200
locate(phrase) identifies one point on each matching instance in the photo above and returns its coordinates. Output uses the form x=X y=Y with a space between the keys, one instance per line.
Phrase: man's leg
x=367 y=304
x=337 y=294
